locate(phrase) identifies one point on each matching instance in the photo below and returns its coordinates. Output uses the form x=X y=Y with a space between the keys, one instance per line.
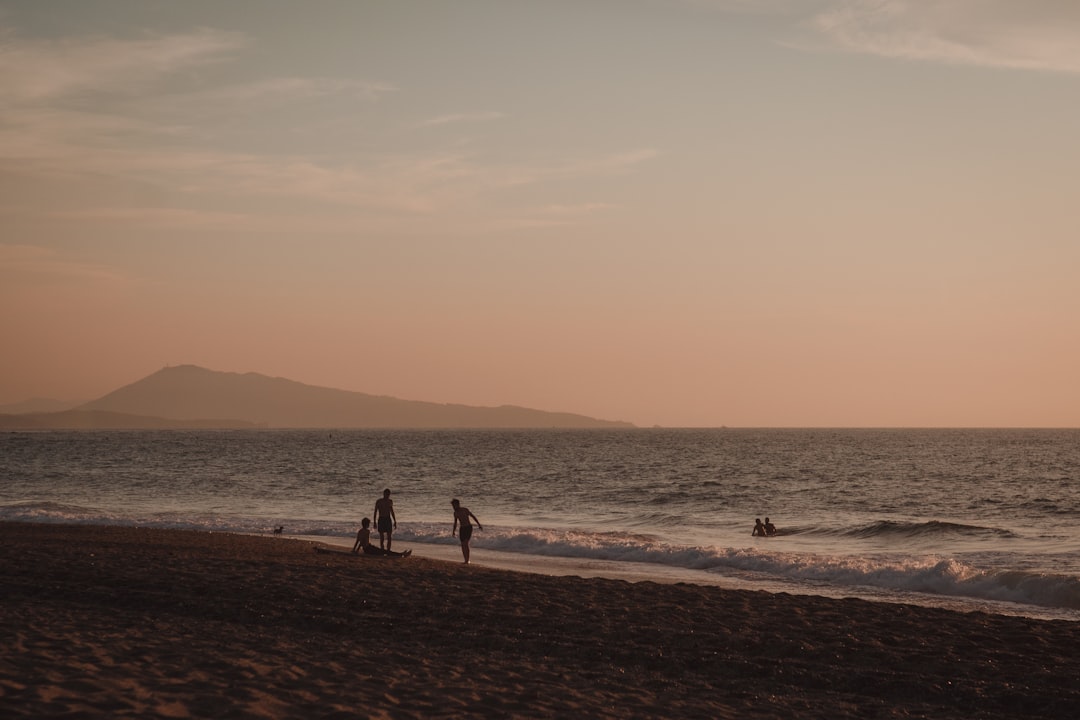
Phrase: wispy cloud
x=132 y=113
x=102 y=107
x=750 y=7
x=25 y=262
x=91 y=90
x=561 y=215
x=259 y=95
x=461 y=118
x=607 y=164
x=1041 y=35
x=61 y=97
x=38 y=70
x=576 y=210
x=1030 y=35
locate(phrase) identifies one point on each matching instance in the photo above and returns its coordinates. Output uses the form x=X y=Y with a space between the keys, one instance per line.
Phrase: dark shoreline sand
x=111 y=621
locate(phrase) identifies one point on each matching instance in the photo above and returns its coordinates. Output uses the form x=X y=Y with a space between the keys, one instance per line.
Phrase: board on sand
x=322 y=549
x=331 y=551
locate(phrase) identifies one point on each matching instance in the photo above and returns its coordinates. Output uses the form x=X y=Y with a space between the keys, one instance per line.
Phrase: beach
x=102 y=621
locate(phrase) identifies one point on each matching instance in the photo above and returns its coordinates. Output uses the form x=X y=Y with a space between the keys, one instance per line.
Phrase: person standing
x=385 y=519
x=462 y=515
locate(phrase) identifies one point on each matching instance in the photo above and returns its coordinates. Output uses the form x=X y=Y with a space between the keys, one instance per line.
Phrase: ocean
x=984 y=520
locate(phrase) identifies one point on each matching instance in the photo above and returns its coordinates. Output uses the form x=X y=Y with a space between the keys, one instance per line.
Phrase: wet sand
x=113 y=622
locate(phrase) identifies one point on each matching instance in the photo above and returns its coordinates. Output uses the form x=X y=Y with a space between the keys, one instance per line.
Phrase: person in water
x=759 y=528
x=385 y=519
x=462 y=515
x=770 y=529
x=363 y=542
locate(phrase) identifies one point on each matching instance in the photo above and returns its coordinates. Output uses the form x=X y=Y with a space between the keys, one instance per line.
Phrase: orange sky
x=684 y=212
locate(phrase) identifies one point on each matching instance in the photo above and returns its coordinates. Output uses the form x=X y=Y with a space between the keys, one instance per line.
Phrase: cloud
x=258 y=95
x=608 y=164
x=748 y=7
x=36 y=70
x=576 y=210
x=1038 y=35
x=83 y=109
x=23 y=262
x=102 y=92
x=1030 y=35
x=460 y=118
x=621 y=161
x=64 y=97
x=119 y=125
x=557 y=215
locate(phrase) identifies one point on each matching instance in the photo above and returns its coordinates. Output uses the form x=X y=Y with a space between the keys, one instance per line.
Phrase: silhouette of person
x=462 y=515
x=770 y=529
x=363 y=542
x=759 y=528
x=385 y=519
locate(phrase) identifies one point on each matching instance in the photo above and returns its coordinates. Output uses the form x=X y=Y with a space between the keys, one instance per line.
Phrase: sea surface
x=983 y=520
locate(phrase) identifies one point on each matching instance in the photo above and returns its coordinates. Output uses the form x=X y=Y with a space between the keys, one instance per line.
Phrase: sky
x=785 y=213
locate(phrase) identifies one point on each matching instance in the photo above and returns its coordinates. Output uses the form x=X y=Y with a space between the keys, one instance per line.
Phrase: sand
x=115 y=622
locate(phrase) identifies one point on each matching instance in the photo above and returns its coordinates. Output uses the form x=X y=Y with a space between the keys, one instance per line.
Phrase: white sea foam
x=928 y=574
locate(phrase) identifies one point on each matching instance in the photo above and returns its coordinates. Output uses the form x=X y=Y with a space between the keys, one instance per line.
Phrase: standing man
x=462 y=515
x=385 y=519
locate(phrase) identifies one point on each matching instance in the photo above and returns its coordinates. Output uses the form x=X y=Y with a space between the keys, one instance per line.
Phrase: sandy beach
x=111 y=622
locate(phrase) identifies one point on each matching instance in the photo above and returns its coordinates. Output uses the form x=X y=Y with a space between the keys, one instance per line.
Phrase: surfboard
x=323 y=550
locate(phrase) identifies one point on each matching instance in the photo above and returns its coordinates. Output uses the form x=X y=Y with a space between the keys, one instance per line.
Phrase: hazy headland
x=190 y=397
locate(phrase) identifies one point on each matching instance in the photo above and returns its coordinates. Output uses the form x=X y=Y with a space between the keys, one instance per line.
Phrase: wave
x=929 y=575
x=897 y=572
x=889 y=529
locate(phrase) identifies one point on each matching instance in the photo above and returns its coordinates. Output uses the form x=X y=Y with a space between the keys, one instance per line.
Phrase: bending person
x=462 y=515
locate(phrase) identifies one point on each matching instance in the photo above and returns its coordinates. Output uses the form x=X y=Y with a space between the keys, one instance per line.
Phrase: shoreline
x=110 y=621
x=550 y=565
x=563 y=566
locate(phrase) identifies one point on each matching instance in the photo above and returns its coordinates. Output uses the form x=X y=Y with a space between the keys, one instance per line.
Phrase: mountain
x=191 y=393
x=101 y=420
x=37 y=405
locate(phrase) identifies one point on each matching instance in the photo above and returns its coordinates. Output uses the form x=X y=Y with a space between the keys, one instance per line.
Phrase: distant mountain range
x=37 y=405
x=187 y=396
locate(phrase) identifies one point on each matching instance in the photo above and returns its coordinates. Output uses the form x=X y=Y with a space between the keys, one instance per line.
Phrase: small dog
x=278 y=530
